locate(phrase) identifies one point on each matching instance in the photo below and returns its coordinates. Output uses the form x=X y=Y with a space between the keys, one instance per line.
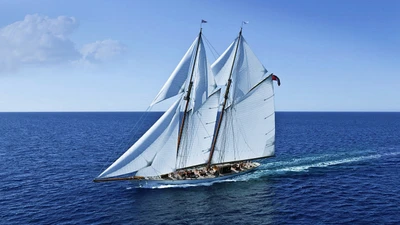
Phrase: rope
x=213 y=51
x=139 y=123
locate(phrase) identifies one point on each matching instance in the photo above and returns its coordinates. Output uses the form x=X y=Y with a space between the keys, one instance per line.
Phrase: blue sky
x=115 y=55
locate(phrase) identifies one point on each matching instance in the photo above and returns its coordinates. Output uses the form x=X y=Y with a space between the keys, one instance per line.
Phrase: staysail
x=143 y=152
x=246 y=129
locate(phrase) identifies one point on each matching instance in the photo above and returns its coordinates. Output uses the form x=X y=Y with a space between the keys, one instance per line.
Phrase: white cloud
x=37 y=40
x=102 y=50
x=42 y=40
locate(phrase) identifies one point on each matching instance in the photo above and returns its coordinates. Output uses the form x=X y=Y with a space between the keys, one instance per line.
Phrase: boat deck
x=201 y=173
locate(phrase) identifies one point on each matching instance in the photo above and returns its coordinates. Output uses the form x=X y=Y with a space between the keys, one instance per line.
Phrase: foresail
x=248 y=127
x=144 y=151
x=176 y=82
x=203 y=79
x=199 y=130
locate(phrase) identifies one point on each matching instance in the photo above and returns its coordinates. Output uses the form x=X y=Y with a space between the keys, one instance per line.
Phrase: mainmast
x=187 y=97
x=224 y=104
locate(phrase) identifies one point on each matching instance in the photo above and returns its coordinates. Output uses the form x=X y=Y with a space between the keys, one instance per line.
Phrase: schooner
x=223 y=118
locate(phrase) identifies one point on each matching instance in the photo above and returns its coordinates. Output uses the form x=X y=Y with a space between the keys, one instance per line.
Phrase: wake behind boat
x=192 y=142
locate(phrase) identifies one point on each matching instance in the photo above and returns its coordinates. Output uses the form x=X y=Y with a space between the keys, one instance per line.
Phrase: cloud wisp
x=40 y=40
x=101 y=51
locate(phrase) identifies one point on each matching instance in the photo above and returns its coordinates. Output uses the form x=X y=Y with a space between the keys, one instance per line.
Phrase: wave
x=298 y=165
x=304 y=164
x=164 y=186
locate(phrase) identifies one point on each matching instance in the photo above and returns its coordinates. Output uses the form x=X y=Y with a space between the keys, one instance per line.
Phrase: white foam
x=291 y=165
x=327 y=163
x=163 y=186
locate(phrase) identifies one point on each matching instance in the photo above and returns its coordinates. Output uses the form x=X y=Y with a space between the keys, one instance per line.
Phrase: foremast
x=214 y=142
x=187 y=97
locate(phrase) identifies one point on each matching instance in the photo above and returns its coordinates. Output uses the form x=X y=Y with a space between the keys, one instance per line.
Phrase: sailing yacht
x=223 y=118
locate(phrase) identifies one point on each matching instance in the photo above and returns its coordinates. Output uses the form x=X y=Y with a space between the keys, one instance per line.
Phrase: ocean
x=329 y=168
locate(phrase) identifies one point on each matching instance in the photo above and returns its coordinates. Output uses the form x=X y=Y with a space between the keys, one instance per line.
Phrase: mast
x=224 y=104
x=187 y=97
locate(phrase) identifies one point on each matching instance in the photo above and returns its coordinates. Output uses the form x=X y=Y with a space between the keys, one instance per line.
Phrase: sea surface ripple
x=329 y=168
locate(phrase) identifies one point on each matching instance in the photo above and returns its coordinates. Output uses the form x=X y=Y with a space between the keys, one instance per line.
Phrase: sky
x=332 y=55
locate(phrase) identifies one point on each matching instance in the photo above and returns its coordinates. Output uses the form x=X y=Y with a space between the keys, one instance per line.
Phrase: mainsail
x=246 y=128
x=155 y=153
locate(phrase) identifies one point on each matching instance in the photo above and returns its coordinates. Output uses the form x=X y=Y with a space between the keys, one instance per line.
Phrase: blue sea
x=329 y=168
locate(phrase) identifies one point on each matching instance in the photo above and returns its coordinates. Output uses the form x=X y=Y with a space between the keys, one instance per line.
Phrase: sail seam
x=244 y=138
x=270 y=131
x=269 y=116
x=265 y=99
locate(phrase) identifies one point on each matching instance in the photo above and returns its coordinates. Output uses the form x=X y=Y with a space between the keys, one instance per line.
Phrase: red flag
x=274 y=77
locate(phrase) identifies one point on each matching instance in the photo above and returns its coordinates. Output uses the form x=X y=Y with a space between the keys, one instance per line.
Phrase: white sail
x=143 y=152
x=165 y=158
x=199 y=126
x=222 y=66
x=203 y=79
x=199 y=130
x=248 y=71
x=248 y=127
x=176 y=82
